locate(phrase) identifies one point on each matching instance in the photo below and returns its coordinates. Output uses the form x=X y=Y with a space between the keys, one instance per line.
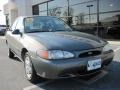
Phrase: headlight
x=106 y=48
x=55 y=54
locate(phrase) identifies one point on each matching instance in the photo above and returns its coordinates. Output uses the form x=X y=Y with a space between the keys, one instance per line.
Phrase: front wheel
x=29 y=69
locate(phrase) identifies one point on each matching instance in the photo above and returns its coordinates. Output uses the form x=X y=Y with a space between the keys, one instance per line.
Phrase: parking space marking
x=117 y=49
x=93 y=79
x=114 y=42
x=38 y=85
x=2 y=37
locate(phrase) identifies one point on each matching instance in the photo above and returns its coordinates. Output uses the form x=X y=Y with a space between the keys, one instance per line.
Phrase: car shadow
x=16 y=59
x=110 y=81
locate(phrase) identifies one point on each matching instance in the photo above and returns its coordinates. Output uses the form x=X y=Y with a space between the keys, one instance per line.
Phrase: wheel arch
x=24 y=50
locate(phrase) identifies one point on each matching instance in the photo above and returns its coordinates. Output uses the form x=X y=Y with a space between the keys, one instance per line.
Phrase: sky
x=2 y=16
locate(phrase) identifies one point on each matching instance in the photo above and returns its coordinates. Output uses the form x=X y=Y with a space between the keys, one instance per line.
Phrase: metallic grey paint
x=75 y=42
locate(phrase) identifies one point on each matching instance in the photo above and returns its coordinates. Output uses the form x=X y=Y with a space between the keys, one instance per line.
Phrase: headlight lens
x=55 y=54
x=106 y=48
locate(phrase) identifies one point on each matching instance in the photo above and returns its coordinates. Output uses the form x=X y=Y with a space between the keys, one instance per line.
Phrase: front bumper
x=64 y=68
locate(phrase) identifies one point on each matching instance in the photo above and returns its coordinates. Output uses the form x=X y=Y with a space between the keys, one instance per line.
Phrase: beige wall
x=16 y=8
x=13 y=15
x=24 y=7
x=6 y=9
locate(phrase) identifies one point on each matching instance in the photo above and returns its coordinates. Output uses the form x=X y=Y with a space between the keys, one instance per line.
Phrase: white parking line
x=117 y=49
x=93 y=79
x=114 y=42
x=38 y=85
x=2 y=37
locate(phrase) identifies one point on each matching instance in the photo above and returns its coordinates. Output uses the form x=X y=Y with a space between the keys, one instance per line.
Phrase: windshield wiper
x=62 y=30
x=36 y=31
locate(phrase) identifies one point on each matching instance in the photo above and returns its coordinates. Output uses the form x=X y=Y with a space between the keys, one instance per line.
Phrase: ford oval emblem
x=90 y=53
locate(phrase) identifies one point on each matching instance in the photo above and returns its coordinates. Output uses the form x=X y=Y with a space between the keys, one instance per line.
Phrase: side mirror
x=17 y=31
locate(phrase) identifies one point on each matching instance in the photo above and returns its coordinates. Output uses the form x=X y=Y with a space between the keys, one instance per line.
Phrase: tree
x=69 y=18
x=54 y=12
x=80 y=18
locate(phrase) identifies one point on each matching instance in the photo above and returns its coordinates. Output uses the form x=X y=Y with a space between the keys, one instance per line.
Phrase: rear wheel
x=29 y=69
x=10 y=54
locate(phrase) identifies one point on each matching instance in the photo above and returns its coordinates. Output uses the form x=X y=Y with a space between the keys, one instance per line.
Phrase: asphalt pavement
x=12 y=76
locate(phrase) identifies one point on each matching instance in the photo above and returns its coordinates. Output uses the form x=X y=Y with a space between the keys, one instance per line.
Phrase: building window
x=110 y=17
x=83 y=14
x=35 y=10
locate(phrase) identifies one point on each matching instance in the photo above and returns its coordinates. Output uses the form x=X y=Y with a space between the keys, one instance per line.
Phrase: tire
x=29 y=69
x=10 y=54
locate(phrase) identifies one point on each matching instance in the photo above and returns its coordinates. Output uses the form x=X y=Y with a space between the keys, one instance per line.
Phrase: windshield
x=45 y=24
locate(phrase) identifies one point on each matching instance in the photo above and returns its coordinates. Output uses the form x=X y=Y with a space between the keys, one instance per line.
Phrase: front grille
x=89 y=54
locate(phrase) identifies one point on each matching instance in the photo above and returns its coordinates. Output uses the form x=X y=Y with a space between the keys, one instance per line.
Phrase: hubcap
x=28 y=67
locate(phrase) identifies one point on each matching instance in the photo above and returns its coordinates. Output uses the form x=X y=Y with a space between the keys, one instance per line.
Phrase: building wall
x=24 y=7
x=13 y=15
x=16 y=8
x=34 y=2
x=6 y=9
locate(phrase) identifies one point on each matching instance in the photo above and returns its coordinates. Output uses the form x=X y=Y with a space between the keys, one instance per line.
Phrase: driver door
x=15 y=39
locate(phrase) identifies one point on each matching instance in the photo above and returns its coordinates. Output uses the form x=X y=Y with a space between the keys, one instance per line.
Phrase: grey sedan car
x=50 y=49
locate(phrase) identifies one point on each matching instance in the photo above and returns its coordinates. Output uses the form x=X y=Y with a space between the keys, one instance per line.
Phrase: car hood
x=67 y=40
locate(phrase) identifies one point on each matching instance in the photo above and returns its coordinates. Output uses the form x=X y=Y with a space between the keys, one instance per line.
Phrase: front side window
x=45 y=24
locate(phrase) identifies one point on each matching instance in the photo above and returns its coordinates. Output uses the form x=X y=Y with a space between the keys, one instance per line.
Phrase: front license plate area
x=94 y=64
